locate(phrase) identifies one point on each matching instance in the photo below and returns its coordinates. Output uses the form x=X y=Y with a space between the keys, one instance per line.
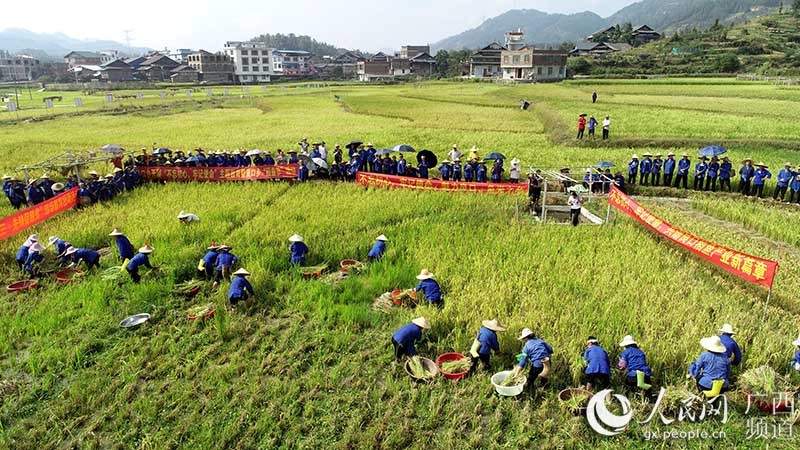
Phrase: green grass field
x=307 y=365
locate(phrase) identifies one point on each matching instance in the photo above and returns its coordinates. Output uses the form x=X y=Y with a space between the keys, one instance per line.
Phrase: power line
x=128 y=41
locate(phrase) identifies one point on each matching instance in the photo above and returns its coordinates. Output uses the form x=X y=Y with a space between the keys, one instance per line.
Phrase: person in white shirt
x=454 y=154
x=513 y=173
x=606 y=127
x=575 y=204
x=323 y=152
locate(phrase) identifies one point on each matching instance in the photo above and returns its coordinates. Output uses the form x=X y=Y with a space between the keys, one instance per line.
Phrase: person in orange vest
x=581 y=125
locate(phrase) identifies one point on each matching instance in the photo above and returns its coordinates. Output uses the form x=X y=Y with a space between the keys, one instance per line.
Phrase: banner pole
x=766 y=306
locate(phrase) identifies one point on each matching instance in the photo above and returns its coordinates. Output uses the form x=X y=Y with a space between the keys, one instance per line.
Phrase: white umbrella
x=320 y=162
x=111 y=148
x=253 y=152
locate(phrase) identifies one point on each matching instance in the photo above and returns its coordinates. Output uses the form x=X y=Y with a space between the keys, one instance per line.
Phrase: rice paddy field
x=306 y=364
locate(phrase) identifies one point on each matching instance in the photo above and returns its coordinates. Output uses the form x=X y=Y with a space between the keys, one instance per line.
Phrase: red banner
x=164 y=173
x=392 y=181
x=34 y=215
x=747 y=267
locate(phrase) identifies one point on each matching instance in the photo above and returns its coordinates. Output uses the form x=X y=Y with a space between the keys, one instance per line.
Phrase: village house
x=116 y=70
x=156 y=67
x=180 y=54
x=83 y=59
x=213 y=67
x=376 y=67
x=184 y=74
x=523 y=62
x=347 y=61
x=18 y=67
x=644 y=34
x=589 y=48
x=412 y=60
x=253 y=61
x=485 y=63
x=293 y=63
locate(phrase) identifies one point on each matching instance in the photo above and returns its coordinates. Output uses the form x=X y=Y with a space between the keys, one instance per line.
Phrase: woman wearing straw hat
x=297 y=250
x=633 y=361
x=700 y=170
x=24 y=249
x=535 y=352
x=725 y=173
x=732 y=350
x=485 y=343
x=86 y=255
x=794 y=189
x=429 y=288
x=378 y=248
x=404 y=340
x=31 y=266
x=782 y=183
x=60 y=247
x=597 y=373
x=124 y=246
x=140 y=259
x=208 y=262
x=185 y=217
x=760 y=176
x=712 y=365
x=224 y=263
x=240 y=288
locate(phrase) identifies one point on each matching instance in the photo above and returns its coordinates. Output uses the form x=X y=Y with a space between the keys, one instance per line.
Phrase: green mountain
x=663 y=15
x=766 y=45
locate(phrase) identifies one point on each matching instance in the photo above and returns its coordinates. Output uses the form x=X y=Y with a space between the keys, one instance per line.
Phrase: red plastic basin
x=447 y=357
x=21 y=286
x=64 y=276
x=347 y=263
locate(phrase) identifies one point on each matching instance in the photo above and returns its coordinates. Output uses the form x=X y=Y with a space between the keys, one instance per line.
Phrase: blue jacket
x=408 y=336
x=725 y=170
x=795 y=184
x=480 y=174
x=633 y=359
x=239 y=285
x=22 y=254
x=33 y=257
x=124 y=247
x=796 y=359
x=700 y=169
x=488 y=340
x=731 y=348
x=533 y=352
x=468 y=172
x=760 y=176
x=683 y=166
x=35 y=195
x=61 y=246
x=709 y=367
x=746 y=173
x=596 y=361
x=298 y=252
x=645 y=166
x=378 y=248
x=140 y=259
x=444 y=171
x=210 y=259
x=302 y=173
x=456 y=171
x=713 y=170
x=401 y=167
x=430 y=288
x=633 y=166
x=422 y=170
x=87 y=255
x=657 y=164
x=225 y=260
x=784 y=177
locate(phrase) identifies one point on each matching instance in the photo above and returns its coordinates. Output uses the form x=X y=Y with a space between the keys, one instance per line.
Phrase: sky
x=368 y=25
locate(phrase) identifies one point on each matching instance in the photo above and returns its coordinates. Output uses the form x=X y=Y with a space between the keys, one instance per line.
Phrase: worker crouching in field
x=187 y=218
x=297 y=250
x=24 y=249
x=124 y=246
x=732 y=350
x=404 y=340
x=795 y=363
x=712 y=366
x=86 y=255
x=60 y=246
x=633 y=362
x=485 y=343
x=598 y=371
x=378 y=248
x=430 y=288
x=35 y=257
x=535 y=352
x=240 y=288
x=224 y=264
x=208 y=262
x=140 y=259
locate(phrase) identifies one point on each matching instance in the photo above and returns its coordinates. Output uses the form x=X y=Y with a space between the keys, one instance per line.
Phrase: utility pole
x=128 y=42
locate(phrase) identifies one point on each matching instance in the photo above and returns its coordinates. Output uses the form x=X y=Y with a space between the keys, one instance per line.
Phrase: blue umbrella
x=713 y=150
x=404 y=148
x=604 y=165
x=494 y=156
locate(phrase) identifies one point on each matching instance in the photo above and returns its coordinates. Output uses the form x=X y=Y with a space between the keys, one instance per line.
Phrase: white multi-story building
x=179 y=54
x=18 y=67
x=254 y=62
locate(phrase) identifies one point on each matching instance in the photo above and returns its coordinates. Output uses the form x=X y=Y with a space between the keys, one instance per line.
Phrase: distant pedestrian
x=592 y=126
x=682 y=179
x=784 y=178
x=575 y=205
x=606 y=127
x=581 y=125
x=760 y=177
x=700 y=170
x=746 y=176
x=594 y=97
x=633 y=169
x=725 y=173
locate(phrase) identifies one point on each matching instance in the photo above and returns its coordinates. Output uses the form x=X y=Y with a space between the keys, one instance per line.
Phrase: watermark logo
x=604 y=421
